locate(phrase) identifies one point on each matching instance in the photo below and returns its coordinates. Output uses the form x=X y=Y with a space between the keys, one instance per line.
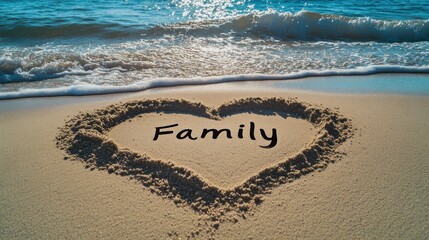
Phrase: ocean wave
x=305 y=26
x=123 y=63
x=37 y=66
x=287 y=26
x=81 y=89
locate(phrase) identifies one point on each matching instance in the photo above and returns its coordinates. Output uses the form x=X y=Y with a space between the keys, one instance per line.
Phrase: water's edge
x=90 y=89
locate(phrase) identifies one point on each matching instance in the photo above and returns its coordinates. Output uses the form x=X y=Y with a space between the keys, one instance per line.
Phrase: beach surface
x=377 y=188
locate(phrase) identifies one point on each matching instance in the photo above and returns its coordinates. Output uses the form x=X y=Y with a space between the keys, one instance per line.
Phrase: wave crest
x=300 y=26
x=305 y=26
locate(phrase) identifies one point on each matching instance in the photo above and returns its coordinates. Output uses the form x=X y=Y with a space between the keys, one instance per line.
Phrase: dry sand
x=240 y=158
x=379 y=189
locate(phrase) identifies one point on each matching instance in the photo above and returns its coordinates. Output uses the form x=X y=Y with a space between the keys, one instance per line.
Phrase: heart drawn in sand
x=85 y=138
x=232 y=151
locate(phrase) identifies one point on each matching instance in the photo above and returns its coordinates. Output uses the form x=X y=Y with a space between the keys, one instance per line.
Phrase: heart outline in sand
x=84 y=138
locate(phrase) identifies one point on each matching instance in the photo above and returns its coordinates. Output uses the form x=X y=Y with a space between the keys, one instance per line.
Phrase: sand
x=376 y=188
x=241 y=158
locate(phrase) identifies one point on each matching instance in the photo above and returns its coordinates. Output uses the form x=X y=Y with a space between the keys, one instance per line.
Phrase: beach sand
x=377 y=188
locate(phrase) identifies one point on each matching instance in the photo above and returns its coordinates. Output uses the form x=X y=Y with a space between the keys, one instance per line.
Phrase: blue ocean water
x=81 y=47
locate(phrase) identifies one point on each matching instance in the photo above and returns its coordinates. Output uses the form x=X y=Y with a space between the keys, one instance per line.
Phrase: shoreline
x=416 y=83
x=305 y=86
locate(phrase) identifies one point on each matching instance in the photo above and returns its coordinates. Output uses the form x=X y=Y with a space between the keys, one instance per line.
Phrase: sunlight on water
x=202 y=9
x=48 y=44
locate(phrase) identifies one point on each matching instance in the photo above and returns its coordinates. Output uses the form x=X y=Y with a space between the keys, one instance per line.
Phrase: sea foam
x=302 y=25
x=305 y=26
x=81 y=89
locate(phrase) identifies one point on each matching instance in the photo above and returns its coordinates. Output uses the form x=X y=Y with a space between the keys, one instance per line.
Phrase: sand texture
x=344 y=166
x=241 y=157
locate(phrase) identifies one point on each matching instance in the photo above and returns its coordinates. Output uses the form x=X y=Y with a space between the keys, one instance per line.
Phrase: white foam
x=306 y=26
x=81 y=89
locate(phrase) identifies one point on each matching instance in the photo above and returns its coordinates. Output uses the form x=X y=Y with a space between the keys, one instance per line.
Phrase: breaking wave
x=300 y=26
